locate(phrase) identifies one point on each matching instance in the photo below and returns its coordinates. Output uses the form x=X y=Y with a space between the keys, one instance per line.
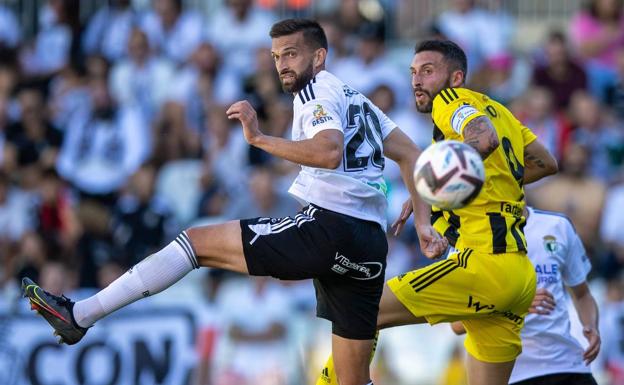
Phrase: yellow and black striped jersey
x=494 y=221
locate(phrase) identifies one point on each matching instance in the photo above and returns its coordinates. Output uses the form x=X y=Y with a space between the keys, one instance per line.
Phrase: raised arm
x=324 y=150
x=538 y=162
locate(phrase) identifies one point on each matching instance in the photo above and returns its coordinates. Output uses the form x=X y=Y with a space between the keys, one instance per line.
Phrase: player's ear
x=319 y=57
x=457 y=78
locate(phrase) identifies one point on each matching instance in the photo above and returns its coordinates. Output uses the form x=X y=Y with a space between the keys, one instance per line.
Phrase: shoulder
x=553 y=217
x=322 y=86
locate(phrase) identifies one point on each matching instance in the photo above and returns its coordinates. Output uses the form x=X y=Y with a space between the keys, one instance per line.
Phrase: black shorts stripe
x=466 y=255
x=436 y=278
x=427 y=274
x=461 y=257
x=301 y=97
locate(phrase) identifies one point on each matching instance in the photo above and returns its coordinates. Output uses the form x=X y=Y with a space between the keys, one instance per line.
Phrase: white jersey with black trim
x=356 y=187
x=560 y=260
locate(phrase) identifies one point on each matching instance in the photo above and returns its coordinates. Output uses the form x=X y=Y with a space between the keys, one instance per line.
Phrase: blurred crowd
x=113 y=138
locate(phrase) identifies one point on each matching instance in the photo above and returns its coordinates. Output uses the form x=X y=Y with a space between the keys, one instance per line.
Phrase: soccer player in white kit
x=340 y=139
x=550 y=354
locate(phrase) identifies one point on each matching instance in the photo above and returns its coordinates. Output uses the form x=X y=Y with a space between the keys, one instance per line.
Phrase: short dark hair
x=452 y=53
x=313 y=34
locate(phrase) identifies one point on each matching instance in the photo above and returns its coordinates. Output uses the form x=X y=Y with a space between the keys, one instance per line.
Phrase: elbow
x=552 y=167
x=332 y=159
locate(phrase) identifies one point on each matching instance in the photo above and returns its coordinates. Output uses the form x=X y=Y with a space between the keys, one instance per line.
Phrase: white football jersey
x=357 y=187
x=560 y=260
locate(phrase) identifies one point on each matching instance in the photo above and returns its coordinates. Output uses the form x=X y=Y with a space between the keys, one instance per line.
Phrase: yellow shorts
x=489 y=293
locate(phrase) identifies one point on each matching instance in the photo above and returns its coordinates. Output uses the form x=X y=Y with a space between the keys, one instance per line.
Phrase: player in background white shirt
x=550 y=354
x=339 y=240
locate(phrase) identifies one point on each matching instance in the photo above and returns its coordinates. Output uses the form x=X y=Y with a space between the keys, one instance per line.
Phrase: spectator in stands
x=108 y=30
x=211 y=325
x=172 y=31
x=568 y=192
x=250 y=25
x=67 y=94
x=58 y=276
x=205 y=81
x=259 y=350
x=15 y=212
x=36 y=141
x=58 y=40
x=370 y=59
x=104 y=145
x=142 y=221
x=10 y=33
x=57 y=222
x=468 y=25
x=503 y=77
x=263 y=198
x=95 y=250
x=8 y=154
x=597 y=31
x=227 y=152
x=611 y=316
x=143 y=79
x=558 y=72
x=599 y=132
x=615 y=92
x=612 y=230
x=550 y=126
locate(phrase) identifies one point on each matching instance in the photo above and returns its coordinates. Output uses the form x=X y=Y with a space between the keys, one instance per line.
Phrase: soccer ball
x=449 y=174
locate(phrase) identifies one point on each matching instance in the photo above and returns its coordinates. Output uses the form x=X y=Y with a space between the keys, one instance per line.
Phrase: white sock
x=148 y=277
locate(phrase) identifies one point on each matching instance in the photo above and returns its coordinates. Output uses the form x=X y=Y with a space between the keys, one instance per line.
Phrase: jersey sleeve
x=527 y=135
x=453 y=109
x=576 y=265
x=320 y=111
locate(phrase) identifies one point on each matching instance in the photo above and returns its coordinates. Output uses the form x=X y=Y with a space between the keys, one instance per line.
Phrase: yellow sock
x=328 y=374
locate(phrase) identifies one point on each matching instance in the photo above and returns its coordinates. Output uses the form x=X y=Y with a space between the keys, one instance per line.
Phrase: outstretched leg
x=218 y=246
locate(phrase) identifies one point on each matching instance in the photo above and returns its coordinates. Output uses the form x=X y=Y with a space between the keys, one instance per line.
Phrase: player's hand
x=244 y=112
x=406 y=211
x=432 y=244
x=543 y=302
x=593 y=337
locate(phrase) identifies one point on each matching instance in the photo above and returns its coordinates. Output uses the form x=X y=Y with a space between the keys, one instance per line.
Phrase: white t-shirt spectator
x=144 y=86
x=178 y=43
x=98 y=155
x=108 y=31
x=237 y=40
x=10 y=33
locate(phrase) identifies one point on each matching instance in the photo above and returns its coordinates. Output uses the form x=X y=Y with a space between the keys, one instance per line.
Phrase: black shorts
x=345 y=256
x=560 y=379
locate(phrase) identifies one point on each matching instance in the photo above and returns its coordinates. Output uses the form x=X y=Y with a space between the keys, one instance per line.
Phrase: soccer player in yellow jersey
x=488 y=282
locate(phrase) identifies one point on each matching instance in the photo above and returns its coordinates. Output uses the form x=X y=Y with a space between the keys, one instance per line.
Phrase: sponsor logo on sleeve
x=460 y=116
x=320 y=116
